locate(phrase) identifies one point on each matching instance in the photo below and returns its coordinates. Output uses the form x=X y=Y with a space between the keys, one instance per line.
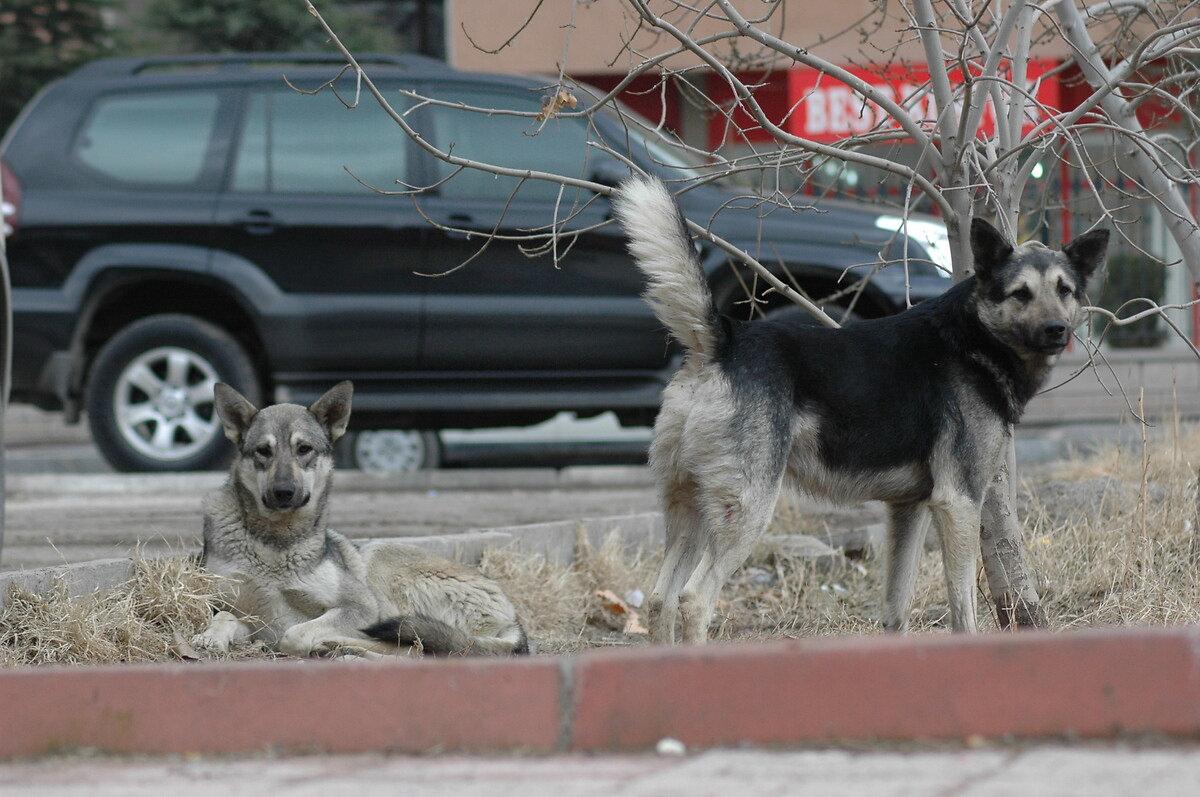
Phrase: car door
x=300 y=205
x=512 y=303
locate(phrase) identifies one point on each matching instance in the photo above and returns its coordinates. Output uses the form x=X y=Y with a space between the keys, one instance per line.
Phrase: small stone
x=669 y=746
x=635 y=598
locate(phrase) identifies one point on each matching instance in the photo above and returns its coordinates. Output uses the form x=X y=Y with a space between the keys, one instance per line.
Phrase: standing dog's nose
x=1055 y=332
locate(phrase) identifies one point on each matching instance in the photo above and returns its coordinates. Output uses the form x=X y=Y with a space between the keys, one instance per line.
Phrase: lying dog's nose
x=1055 y=332
x=283 y=494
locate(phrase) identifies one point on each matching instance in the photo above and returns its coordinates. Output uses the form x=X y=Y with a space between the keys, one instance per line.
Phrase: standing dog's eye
x=263 y=451
x=1064 y=290
x=1022 y=294
x=304 y=449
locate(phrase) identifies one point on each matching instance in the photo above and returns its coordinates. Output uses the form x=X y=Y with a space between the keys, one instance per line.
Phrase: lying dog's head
x=1030 y=296
x=285 y=452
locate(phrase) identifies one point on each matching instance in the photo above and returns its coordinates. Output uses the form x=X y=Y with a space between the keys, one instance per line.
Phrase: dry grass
x=1112 y=536
x=164 y=603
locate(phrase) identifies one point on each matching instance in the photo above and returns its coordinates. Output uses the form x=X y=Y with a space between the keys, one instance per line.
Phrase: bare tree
x=1132 y=53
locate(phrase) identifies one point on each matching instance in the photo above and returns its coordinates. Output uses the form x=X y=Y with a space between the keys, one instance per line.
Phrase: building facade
x=597 y=42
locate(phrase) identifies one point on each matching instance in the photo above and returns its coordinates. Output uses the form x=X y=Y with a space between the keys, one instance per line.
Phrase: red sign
x=807 y=103
x=824 y=109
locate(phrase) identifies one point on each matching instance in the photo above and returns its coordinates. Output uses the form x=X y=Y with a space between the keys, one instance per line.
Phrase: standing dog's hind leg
x=907 y=527
x=957 y=521
x=684 y=546
x=729 y=546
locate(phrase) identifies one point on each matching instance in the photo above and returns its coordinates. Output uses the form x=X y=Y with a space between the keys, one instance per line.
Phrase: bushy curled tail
x=659 y=241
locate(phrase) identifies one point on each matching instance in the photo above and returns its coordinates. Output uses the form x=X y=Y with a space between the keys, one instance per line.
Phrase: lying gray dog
x=303 y=589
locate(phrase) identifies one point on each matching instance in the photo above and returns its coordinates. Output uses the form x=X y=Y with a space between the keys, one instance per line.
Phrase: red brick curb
x=296 y=706
x=930 y=688
x=1086 y=684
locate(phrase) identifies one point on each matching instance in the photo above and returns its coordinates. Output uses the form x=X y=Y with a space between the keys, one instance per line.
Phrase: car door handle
x=259 y=222
x=461 y=218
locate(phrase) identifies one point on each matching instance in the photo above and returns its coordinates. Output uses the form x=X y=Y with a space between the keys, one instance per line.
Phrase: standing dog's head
x=285 y=452
x=1030 y=296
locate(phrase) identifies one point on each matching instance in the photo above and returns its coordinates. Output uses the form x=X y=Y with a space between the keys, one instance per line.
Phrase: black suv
x=178 y=221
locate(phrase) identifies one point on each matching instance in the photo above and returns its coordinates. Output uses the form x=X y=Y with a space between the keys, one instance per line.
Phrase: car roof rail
x=128 y=67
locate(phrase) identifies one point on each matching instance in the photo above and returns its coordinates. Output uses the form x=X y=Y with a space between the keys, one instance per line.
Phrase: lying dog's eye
x=1022 y=294
x=1064 y=291
x=303 y=449
x=263 y=450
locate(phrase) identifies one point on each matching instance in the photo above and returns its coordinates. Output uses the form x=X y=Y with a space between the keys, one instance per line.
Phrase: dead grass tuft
x=164 y=603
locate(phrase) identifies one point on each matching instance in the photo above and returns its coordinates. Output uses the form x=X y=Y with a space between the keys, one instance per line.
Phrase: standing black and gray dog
x=914 y=410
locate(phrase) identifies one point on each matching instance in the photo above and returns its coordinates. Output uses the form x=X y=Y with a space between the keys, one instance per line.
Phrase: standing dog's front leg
x=907 y=526
x=957 y=518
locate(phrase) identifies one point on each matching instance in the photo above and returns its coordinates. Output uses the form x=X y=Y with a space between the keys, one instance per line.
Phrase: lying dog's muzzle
x=284 y=496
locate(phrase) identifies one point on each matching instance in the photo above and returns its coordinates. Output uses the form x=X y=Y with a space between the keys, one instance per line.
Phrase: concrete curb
x=80 y=579
x=555 y=540
x=598 y=476
x=1090 y=684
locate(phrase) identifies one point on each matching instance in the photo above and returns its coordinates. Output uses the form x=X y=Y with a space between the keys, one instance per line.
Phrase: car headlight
x=931 y=235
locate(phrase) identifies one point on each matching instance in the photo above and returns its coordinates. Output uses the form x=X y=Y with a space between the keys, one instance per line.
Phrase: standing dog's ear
x=1087 y=252
x=235 y=412
x=333 y=409
x=988 y=248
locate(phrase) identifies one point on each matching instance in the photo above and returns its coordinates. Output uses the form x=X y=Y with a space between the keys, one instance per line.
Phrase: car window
x=560 y=146
x=295 y=143
x=150 y=138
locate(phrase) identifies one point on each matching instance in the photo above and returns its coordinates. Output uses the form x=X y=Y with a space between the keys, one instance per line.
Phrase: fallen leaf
x=617 y=615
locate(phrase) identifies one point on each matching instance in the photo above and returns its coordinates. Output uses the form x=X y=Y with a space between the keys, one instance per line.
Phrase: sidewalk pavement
x=1048 y=770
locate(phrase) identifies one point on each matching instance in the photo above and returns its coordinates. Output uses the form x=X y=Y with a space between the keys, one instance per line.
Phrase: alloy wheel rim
x=389 y=451
x=164 y=403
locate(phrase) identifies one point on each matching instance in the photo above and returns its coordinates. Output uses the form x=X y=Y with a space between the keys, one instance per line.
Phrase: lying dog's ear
x=1087 y=252
x=988 y=248
x=333 y=409
x=235 y=412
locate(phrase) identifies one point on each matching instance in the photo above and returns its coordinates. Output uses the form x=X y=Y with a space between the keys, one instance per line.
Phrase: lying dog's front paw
x=207 y=642
x=301 y=640
x=221 y=631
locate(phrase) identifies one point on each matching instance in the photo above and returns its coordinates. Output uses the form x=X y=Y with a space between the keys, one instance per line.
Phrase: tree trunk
x=1014 y=593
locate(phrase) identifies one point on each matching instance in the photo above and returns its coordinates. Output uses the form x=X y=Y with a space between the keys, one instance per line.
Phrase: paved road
x=1049 y=770
x=52 y=518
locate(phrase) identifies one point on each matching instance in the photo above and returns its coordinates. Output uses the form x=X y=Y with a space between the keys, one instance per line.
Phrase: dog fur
x=304 y=589
x=914 y=410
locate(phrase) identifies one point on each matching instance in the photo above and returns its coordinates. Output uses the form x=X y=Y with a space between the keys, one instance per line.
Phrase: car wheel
x=149 y=396
x=392 y=450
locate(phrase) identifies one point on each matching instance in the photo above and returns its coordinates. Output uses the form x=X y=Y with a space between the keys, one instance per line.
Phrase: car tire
x=386 y=451
x=149 y=394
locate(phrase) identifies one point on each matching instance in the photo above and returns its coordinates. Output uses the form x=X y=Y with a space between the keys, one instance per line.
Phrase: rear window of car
x=149 y=138
x=295 y=143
